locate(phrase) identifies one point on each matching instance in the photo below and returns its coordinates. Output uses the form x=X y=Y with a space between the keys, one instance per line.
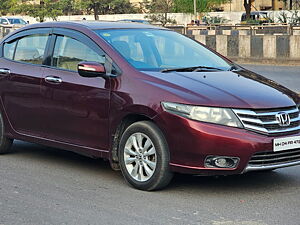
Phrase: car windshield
x=157 y=50
x=16 y=21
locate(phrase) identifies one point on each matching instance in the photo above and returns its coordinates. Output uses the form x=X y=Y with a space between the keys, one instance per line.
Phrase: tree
x=187 y=6
x=159 y=10
x=247 y=5
x=102 y=7
x=7 y=6
x=43 y=9
x=68 y=7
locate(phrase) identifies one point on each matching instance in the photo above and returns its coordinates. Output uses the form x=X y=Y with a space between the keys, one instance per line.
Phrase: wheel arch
x=125 y=122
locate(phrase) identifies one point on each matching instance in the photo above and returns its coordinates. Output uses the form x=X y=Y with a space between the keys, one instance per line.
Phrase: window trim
x=22 y=34
x=52 y=32
x=17 y=44
x=81 y=38
x=29 y=32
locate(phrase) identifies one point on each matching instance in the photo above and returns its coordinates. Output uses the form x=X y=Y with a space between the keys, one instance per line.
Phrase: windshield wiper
x=192 y=69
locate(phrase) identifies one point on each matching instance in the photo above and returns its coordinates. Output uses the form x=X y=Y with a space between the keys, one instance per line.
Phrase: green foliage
x=252 y=22
x=214 y=20
x=44 y=9
x=269 y=19
x=283 y=17
x=70 y=7
x=187 y=6
x=103 y=7
x=159 y=10
x=160 y=18
x=7 y=6
x=293 y=19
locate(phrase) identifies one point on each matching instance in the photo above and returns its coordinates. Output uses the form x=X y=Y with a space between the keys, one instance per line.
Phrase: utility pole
x=275 y=5
x=195 y=8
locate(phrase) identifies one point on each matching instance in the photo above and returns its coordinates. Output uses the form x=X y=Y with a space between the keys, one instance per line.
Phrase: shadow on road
x=245 y=183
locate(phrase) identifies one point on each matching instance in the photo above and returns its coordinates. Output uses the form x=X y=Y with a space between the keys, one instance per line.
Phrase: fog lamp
x=221 y=162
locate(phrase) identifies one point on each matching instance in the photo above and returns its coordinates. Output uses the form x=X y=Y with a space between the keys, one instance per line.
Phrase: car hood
x=241 y=89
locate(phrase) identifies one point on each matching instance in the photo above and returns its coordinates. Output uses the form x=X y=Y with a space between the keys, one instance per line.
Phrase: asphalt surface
x=41 y=185
x=288 y=76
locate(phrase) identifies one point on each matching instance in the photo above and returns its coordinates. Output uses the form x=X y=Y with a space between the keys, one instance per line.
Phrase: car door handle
x=51 y=79
x=4 y=71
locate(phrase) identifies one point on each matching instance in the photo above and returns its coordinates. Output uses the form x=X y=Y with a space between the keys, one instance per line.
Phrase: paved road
x=289 y=76
x=40 y=185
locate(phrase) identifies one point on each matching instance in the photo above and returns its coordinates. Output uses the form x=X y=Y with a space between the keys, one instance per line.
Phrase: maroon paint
x=82 y=114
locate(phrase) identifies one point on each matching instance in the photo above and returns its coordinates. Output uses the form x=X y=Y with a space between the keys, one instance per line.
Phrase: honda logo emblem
x=283 y=119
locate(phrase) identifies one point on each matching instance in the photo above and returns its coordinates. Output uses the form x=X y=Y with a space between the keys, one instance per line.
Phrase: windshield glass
x=155 y=50
x=16 y=21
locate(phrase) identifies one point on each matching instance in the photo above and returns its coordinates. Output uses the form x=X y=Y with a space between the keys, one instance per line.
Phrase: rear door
x=20 y=77
x=75 y=108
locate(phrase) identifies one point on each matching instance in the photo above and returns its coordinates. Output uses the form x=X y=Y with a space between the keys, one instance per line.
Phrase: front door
x=75 y=109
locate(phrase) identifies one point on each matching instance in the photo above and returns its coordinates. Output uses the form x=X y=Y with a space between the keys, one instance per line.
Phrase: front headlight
x=221 y=116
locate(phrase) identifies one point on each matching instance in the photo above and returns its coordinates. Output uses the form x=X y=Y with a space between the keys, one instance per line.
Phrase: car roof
x=96 y=25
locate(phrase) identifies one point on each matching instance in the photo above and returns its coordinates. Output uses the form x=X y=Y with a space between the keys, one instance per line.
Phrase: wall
x=282 y=49
x=181 y=18
x=238 y=5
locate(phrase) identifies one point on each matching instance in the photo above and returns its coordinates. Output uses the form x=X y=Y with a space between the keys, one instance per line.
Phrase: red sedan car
x=150 y=100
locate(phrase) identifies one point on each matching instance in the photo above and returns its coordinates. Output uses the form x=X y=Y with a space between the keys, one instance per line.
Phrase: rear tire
x=5 y=142
x=144 y=157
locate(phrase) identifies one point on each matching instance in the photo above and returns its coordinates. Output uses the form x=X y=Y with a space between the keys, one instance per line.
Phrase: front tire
x=5 y=142
x=144 y=157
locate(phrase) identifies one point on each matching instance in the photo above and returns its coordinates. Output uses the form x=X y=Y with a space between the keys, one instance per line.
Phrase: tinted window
x=68 y=52
x=31 y=49
x=16 y=21
x=3 y=21
x=9 y=49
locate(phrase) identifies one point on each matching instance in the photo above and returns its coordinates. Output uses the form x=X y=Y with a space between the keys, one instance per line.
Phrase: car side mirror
x=5 y=23
x=91 y=69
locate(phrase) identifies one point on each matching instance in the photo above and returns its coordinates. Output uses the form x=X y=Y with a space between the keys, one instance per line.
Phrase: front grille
x=265 y=122
x=274 y=158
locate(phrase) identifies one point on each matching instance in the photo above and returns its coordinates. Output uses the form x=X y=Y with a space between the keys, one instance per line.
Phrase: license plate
x=288 y=143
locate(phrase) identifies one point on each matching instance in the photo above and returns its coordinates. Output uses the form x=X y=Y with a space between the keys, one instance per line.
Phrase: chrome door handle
x=52 y=79
x=4 y=71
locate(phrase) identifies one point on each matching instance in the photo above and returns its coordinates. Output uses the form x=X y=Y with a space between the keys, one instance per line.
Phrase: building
x=257 y=5
x=135 y=2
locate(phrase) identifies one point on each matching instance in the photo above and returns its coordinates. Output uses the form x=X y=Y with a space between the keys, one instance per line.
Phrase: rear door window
x=31 y=49
x=9 y=50
x=28 y=49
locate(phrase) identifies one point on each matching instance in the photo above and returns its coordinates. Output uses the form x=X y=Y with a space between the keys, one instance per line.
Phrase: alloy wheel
x=140 y=157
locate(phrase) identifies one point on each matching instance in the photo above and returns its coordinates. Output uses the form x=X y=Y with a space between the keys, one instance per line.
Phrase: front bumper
x=273 y=160
x=250 y=168
x=190 y=142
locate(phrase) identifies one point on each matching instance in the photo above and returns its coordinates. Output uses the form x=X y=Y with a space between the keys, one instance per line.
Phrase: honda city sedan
x=151 y=101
